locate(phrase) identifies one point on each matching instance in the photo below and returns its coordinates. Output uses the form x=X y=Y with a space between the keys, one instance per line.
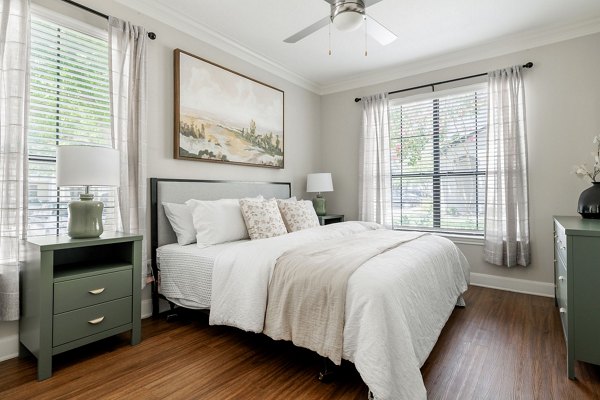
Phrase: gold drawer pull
x=96 y=291
x=561 y=278
x=96 y=321
x=562 y=310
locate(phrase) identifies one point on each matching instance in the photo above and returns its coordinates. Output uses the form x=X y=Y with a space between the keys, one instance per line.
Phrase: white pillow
x=180 y=217
x=262 y=217
x=298 y=215
x=217 y=221
x=290 y=200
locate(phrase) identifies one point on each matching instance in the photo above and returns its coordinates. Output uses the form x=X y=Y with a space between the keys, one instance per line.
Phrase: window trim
x=98 y=30
x=474 y=239
x=445 y=92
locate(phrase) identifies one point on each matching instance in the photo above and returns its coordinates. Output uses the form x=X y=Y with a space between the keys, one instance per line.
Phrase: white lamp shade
x=348 y=21
x=87 y=166
x=320 y=182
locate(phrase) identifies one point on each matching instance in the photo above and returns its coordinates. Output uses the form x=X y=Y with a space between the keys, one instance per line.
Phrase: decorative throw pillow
x=298 y=215
x=217 y=221
x=180 y=217
x=262 y=217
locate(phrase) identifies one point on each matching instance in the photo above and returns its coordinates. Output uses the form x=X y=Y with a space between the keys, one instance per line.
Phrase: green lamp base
x=85 y=217
x=319 y=205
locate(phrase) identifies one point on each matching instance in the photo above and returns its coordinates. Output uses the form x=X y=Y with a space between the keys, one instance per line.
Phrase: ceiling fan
x=348 y=15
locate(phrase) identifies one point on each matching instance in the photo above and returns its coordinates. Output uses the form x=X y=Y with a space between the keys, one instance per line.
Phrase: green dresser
x=577 y=280
x=77 y=291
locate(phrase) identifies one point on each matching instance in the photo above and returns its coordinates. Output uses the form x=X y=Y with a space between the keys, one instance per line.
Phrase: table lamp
x=319 y=183
x=86 y=166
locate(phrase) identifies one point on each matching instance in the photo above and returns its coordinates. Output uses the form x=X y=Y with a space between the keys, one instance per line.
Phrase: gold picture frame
x=226 y=117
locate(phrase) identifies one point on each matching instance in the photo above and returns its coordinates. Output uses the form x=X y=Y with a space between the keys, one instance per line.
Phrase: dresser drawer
x=561 y=294
x=561 y=284
x=83 y=292
x=87 y=321
x=560 y=243
x=564 y=318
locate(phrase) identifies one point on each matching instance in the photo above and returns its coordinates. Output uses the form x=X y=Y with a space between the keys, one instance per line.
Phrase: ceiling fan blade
x=368 y=3
x=308 y=30
x=379 y=32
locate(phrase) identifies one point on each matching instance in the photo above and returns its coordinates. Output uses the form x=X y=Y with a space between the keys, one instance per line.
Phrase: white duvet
x=396 y=304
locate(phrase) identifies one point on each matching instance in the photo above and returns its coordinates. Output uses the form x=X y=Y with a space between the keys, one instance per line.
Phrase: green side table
x=78 y=291
x=330 y=219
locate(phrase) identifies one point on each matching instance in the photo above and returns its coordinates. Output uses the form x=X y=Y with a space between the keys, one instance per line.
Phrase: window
x=437 y=145
x=69 y=104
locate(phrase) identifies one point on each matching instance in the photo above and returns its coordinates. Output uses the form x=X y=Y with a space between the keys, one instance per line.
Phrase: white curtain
x=375 y=176
x=507 y=216
x=127 y=45
x=14 y=89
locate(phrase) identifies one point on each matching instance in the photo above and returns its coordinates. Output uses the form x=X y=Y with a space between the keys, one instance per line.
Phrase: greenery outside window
x=69 y=104
x=438 y=153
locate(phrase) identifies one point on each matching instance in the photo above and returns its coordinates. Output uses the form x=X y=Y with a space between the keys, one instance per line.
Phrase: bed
x=396 y=302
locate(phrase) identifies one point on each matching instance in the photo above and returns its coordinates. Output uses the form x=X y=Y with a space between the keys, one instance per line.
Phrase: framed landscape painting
x=223 y=116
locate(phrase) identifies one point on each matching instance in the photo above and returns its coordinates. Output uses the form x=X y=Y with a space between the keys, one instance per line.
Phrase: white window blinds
x=69 y=104
x=438 y=149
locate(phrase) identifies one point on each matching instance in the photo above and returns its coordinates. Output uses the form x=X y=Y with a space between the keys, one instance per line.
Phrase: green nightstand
x=78 y=291
x=330 y=219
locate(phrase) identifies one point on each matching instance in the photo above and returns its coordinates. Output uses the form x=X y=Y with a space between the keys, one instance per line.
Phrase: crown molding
x=168 y=16
x=495 y=48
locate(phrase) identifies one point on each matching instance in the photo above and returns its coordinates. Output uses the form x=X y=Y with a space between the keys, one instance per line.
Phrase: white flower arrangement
x=582 y=171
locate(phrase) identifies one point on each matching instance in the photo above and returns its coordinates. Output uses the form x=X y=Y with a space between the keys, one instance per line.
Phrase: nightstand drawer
x=87 y=321
x=83 y=292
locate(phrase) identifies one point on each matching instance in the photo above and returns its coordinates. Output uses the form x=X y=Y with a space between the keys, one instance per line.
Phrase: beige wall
x=301 y=110
x=302 y=107
x=563 y=115
x=301 y=119
x=321 y=133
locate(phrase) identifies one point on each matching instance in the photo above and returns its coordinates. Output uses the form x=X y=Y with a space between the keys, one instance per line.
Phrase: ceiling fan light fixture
x=348 y=21
x=347 y=15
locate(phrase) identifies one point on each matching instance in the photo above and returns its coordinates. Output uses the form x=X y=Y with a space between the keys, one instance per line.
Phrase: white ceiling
x=431 y=34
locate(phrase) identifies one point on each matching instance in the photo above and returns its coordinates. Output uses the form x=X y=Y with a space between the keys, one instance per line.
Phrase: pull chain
x=365 y=36
x=330 y=22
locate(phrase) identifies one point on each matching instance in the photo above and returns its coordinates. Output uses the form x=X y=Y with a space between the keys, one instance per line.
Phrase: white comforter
x=396 y=304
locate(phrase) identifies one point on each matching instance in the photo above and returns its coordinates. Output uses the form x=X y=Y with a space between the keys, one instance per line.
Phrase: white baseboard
x=536 y=288
x=9 y=347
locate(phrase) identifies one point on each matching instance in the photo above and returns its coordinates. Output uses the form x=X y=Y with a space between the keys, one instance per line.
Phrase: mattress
x=186 y=272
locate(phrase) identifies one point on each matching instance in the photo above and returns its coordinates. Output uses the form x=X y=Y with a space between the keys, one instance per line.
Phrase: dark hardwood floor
x=501 y=346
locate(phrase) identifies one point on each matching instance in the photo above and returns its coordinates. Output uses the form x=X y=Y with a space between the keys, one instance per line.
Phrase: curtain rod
x=357 y=99
x=151 y=35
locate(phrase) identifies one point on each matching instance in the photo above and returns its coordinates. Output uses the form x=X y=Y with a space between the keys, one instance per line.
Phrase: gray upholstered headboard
x=180 y=190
